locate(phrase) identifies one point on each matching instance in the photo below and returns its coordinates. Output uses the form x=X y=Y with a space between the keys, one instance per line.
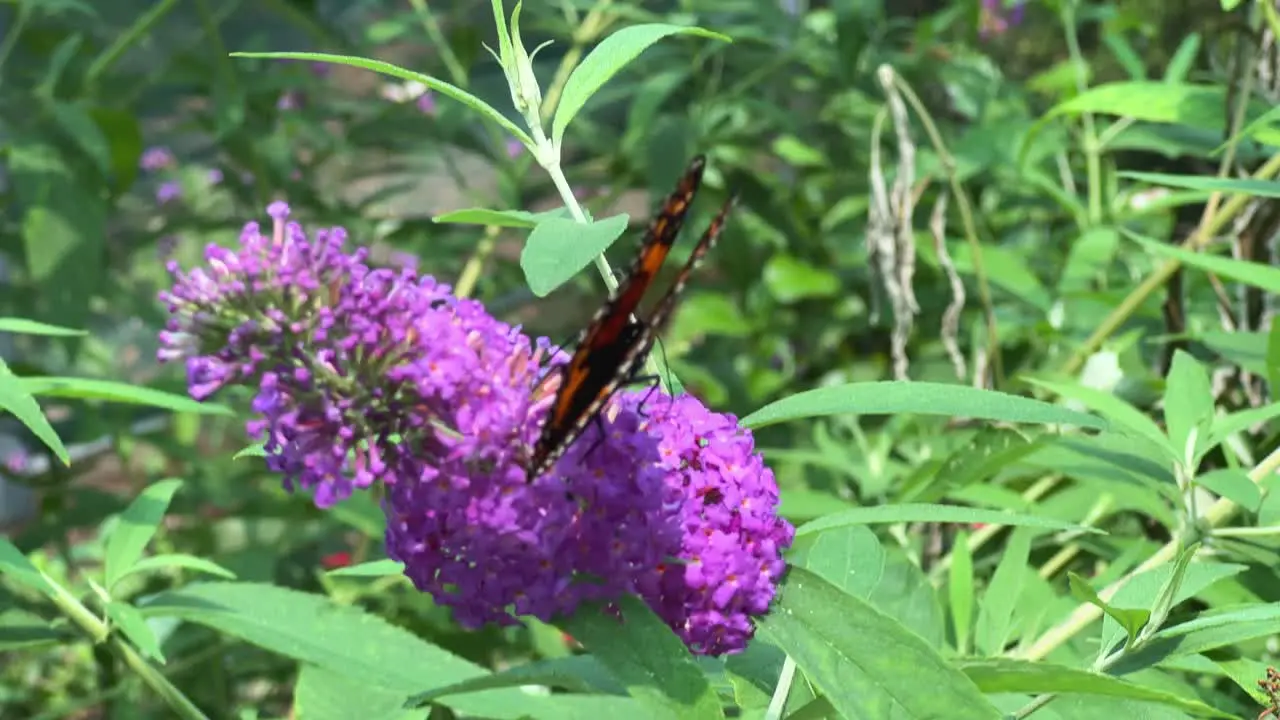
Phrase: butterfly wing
x=658 y=320
x=602 y=351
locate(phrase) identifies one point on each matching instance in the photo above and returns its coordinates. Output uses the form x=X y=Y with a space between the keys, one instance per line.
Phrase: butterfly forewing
x=656 y=244
x=615 y=344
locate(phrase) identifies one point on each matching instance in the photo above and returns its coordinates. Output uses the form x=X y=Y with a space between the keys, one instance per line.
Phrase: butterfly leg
x=653 y=381
x=599 y=425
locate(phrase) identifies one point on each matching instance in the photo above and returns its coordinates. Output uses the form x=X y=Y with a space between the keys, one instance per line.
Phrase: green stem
x=1245 y=532
x=471 y=271
x=140 y=27
x=98 y=632
x=1091 y=146
x=457 y=73
x=11 y=38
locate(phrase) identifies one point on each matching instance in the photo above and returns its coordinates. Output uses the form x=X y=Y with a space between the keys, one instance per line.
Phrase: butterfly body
x=615 y=343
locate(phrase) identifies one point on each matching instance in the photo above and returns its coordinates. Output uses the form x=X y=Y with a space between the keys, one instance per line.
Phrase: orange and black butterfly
x=615 y=344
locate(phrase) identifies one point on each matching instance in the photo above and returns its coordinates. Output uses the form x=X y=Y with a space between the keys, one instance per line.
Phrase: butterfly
x=615 y=344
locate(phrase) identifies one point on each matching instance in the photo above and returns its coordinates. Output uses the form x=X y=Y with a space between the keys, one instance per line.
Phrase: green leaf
x=1009 y=271
x=708 y=313
x=259 y=450
x=1188 y=406
x=864 y=662
x=853 y=560
x=1246 y=349
x=558 y=248
x=18 y=568
x=647 y=657
x=56 y=64
x=960 y=590
x=134 y=626
x=361 y=512
x=794 y=151
x=178 y=560
x=1124 y=53
x=78 y=126
x=376 y=568
x=1233 y=484
x=385 y=68
x=323 y=694
x=754 y=674
x=22 y=630
x=15 y=400
x=1196 y=106
x=109 y=391
x=605 y=60
x=850 y=558
x=1143 y=589
x=1244 y=186
x=1245 y=672
x=63 y=232
x=995 y=615
x=1006 y=675
x=991 y=450
x=1089 y=257
x=493 y=218
x=1208 y=632
x=21 y=326
x=1257 y=274
x=1265 y=120
x=582 y=673
x=137 y=525
x=790 y=279
x=1226 y=425
x=1183 y=59
x=923 y=398
x=1168 y=594
x=908 y=513
x=1115 y=410
x=1131 y=619
x=360 y=646
x=123 y=131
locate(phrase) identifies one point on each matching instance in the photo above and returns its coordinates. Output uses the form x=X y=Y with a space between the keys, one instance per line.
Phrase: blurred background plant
x=931 y=190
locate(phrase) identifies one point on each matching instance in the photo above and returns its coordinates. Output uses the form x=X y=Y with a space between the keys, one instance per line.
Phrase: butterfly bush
x=367 y=376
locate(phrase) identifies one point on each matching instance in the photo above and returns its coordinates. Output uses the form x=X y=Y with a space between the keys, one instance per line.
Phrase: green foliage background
x=944 y=205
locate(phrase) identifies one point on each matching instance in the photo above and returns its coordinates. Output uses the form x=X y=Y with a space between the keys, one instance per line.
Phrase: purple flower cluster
x=376 y=375
x=156 y=158
x=995 y=17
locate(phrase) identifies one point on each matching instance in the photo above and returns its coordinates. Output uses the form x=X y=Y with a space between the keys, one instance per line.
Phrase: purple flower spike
x=379 y=375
